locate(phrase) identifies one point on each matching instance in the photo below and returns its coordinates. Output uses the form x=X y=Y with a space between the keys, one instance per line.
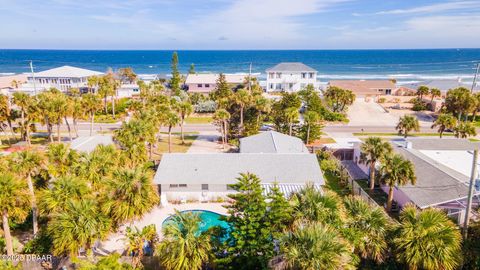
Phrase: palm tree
x=91 y=104
x=222 y=117
x=63 y=190
x=421 y=91
x=444 y=122
x=61 y=159
x=434 y=92
x=366 y=228
x=311 y=118
x=171 y=121
x=373 y=150
x=292 y=115
x=406 y=124
x=396 y=171
x=136 y=239
x=28 y=164
x=23 y=101
x=92 y=83
x=129 y=195
x=14 y=204
x=316 y=246
x=311 y=205
x=184 y=109
x=6 y=115
x=242 y=98
x=427 y=239
x=183 y=247
x=464 y=130
x=78 y=227
x=15 y=83
x=97 y=166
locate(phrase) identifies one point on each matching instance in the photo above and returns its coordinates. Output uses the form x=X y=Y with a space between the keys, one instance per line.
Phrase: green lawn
x=396 y=134
x=332 y=183
x=177 y=146
x=199 y=120
x=36 y=140
x=378 y=195
x=107 y=119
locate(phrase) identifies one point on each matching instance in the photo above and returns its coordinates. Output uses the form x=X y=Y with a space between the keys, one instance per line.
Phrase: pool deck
x=116 y=241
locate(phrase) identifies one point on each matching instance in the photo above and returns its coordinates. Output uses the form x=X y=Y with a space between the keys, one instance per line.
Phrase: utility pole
x=33 y=77
x=475 y=77
x=471 y=190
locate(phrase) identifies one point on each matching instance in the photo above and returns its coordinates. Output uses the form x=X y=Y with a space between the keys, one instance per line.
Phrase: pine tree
x=175 y=80
x=222 y=90
x=251 y=235
x=192 y=69
x=279 y=211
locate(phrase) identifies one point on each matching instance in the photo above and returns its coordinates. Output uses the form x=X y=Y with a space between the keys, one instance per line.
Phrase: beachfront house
x=362 y=88
x=290 y=77
x=205 y=83
x=63 y=78
x=208 y=176
x=443 y=168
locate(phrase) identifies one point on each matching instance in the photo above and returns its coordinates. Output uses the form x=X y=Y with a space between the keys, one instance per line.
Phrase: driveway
x=362 y=113
x=206 y=142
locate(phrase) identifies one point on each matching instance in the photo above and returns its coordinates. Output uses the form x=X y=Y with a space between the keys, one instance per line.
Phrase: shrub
x=419 y=105
x=382 y=100
x=208 y=106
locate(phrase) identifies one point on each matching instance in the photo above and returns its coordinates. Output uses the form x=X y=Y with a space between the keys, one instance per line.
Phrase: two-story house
x=63 y=78
x=290 y=77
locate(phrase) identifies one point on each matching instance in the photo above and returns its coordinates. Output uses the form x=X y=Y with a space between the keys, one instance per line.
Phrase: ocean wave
x=6 y=73
x=403 y=77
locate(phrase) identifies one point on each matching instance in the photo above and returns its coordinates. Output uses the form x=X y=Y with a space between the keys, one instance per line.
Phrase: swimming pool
x=208 y=219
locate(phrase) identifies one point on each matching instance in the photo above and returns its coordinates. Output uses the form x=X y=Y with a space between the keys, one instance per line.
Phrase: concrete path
x=206 y=142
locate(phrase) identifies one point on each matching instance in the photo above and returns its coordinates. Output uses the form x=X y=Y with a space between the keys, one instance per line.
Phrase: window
x=207 y=85
x=279 y=75
x=304 y=75
x=177 y=185
x=271 y=75
x=199 y=85
x=272 y=86
x=310 y=75
x=278 y=86
x=135 y=89
x=290 y=85
x=204 y=186
x=388 y=91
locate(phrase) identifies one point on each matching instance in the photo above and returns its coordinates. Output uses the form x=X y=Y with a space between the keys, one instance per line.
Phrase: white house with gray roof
x=442 y=168
x=272 y=142
x=207 y=177
x=290 y=77
x=63 y=78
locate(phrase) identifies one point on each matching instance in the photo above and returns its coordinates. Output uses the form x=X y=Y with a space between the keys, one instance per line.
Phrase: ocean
x=402 y=65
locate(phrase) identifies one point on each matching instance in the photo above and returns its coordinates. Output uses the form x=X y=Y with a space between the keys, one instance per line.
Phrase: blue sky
x=239 y=24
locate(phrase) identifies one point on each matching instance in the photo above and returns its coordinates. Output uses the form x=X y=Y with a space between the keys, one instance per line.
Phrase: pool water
x=208 y=220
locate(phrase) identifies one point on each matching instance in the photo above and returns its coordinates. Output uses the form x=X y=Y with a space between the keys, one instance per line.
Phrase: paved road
x=375 y=129
x=211 y=128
